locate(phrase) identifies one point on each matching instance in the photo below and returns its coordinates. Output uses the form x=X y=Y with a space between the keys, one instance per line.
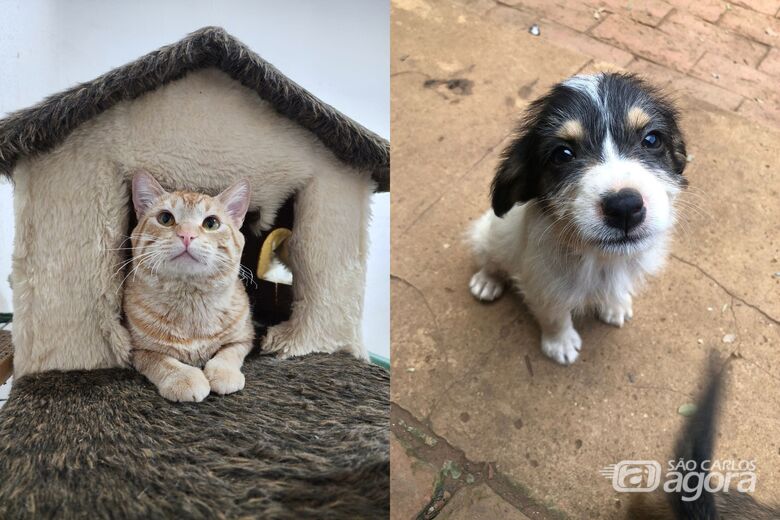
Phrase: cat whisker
x=150 y=262
x=246 y=274
x=122 y=283
x=121 y=247
x=125 y=263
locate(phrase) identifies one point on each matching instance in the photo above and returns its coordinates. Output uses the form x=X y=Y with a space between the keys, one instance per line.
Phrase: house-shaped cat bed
x=198 y=115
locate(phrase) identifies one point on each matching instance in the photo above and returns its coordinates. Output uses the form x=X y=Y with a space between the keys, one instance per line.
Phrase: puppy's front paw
x=563 y=347
x=223 y=377
x=616 y=314
x=486 y=287
x=185 y=385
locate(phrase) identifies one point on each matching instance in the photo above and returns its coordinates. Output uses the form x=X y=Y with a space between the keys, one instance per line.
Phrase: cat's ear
x=236 y=201
x=146 y=190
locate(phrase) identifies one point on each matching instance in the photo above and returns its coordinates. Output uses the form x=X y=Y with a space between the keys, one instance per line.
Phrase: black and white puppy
x=583 y=204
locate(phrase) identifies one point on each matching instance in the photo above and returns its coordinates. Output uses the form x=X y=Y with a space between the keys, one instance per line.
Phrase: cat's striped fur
x=186 y=308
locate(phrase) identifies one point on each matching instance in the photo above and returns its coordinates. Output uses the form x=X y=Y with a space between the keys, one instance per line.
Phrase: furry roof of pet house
x=41 y=127
x=199 y=115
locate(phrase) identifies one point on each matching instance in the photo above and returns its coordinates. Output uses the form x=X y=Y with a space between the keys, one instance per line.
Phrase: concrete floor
x=481 y=419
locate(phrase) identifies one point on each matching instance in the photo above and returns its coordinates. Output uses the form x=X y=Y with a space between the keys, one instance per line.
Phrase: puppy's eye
x=652 y=140
x=562 y=154
x=166 y=218
x=211 y=223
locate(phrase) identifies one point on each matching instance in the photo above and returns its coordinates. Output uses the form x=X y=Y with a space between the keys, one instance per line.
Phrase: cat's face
x=184 y=235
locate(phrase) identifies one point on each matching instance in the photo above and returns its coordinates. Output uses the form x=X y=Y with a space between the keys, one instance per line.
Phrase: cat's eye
x=166 y=218
x=211 y=223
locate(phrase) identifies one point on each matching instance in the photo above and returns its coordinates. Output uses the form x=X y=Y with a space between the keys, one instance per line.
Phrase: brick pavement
x=727 y=54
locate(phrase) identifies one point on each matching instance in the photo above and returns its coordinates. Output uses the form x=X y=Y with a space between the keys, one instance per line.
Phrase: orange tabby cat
x=185 y=305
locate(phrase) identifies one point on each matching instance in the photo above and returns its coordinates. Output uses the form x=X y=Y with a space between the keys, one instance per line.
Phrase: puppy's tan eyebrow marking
x=571 y=130
x=638 y=118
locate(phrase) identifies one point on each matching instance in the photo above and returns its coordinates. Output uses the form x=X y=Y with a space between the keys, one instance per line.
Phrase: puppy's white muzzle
x=620 y=205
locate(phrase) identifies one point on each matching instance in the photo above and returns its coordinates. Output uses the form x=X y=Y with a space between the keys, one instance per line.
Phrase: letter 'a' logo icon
x=634 y=476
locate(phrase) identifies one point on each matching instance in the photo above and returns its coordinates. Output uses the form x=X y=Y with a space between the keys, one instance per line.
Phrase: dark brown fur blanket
x=306 y=438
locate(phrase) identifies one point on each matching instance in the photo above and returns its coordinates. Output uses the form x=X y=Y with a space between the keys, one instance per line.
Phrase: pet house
x=199 y=115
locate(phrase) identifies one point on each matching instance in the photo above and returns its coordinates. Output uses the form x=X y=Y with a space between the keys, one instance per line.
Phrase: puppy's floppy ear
x=670 y=113
x=516 y=179
x=679 y=158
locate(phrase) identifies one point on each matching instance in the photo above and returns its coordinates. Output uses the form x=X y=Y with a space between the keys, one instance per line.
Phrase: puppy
x=695 y=446
x=583 y=204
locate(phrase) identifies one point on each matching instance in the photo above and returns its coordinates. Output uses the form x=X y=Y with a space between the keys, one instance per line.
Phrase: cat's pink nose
x=186 y=237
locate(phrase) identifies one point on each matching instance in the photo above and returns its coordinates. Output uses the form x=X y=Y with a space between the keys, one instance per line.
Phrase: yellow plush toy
x=275 y=243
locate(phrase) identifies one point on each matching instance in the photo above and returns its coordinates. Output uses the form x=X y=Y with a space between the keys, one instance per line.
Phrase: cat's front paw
x=185 y=385
x=223 y=377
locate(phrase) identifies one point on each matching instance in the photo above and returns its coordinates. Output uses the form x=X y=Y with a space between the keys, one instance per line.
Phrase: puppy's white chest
x=593 y=281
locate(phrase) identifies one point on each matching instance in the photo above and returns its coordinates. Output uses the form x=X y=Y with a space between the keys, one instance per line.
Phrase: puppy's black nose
x=624 y=210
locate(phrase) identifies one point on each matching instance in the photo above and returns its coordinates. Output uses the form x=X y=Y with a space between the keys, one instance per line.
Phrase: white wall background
x=338 y=49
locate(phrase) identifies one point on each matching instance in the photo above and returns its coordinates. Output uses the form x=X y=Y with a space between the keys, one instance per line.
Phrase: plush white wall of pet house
x=199 y=115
